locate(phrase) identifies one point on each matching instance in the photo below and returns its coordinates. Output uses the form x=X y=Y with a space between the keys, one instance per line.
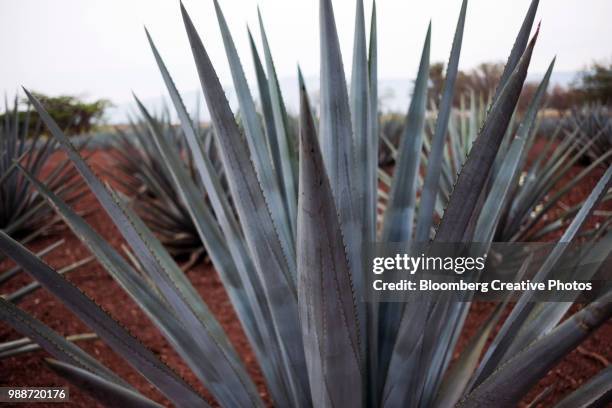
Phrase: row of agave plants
x=582 y=138
x=24 y=213
x=284 y=218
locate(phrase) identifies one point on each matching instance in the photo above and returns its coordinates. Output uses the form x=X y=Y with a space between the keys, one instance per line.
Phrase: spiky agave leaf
x=286 y=146
x=107 y=392
x=276 y=270
x=430 y=188
x=108 y=329
x=511 y=381
x=328 y=311
x=18 y=295
x=272 y=365
x=12 y=272
x=53 y=342
x=399 y=216
x=25 y=345
x=474 y=173
x=282 y=206
x=423 y=354
x=338 y=147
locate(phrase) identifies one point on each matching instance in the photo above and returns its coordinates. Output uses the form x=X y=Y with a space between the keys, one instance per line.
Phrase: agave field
x=221 y=264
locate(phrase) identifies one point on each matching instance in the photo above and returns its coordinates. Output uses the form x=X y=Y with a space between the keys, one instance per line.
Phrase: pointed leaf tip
x=534 y=38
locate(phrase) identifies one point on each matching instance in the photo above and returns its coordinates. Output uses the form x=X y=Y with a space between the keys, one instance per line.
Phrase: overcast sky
x=97 y=48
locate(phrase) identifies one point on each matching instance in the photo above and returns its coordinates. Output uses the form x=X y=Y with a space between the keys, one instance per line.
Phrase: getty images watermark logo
x=490 y=272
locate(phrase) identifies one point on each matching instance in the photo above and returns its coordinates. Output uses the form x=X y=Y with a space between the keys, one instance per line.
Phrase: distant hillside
x=394 y=95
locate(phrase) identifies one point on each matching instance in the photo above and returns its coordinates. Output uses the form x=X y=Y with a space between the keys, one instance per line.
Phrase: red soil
x=30 y=369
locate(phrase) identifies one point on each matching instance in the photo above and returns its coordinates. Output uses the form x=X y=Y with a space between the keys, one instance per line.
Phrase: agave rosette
x=289 y=255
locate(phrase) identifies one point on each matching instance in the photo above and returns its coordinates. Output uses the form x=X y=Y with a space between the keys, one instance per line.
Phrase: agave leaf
x=546 y=315
x=434 y=165
x=399 y=216
x=267 y=111
x=426 y=363
x=439 y=340
x=18 y=295
x=274 y=269
x=373 y=111
x=255 y=138
x=302 y=84
x=457 y=378
x=282 y=135
x=327 y=305
x=222 y=349
x=25 y=345
x=475 y=172
x=335 y=118
x=337 y=146
x=596 y=392
x=107 y=392
x=524 y=306
x=178 y=293
x=405 y=348
x=233 y=237
x=54 y=343
x=14 y=344
x=205 y=356
x=212 y=183
x=399 y=376
x=458 y=313
x=203 y=218
x=120 y=340
x=366 y=153
x=519 y=46
x=370 y=326
x=239 y=288
x=13 y=271
x=492 y=208
x=510 y=382
x=505 y=146
x=359 y=105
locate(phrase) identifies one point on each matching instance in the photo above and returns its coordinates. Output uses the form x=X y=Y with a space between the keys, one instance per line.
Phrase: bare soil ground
x=30 y=369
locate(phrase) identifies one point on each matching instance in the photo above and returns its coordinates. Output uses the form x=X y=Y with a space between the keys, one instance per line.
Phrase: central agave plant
x=290 y=254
